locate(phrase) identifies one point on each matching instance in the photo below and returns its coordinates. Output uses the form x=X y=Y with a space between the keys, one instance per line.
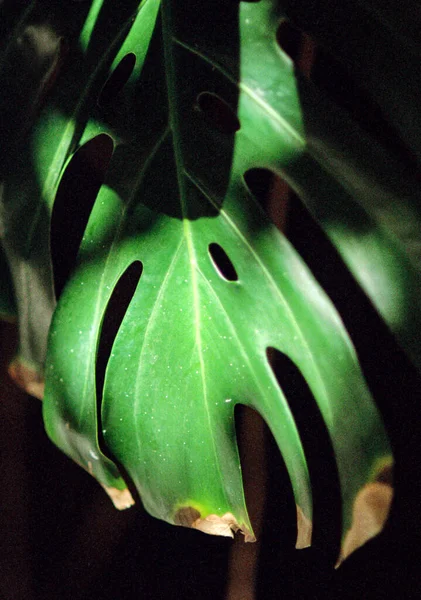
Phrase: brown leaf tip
x=121 y=499
x=225 y=525
x=304 y=530
x=27 y=378
x=370 y=512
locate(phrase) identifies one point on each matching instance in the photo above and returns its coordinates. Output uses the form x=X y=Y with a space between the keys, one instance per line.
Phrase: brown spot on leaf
x=27 y=378
x=304 y=530
x=186 y=516
x=225 y=526
x=121 y=499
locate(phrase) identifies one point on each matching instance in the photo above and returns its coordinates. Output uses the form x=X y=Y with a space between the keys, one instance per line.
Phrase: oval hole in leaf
x=222 y=262
x=117 y=80
x=318 y=451
x=76 y=194
x=218 y=113
x=113 y=317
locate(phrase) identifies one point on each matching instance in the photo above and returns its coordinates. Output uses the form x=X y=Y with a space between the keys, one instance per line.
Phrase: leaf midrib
x=174 y=122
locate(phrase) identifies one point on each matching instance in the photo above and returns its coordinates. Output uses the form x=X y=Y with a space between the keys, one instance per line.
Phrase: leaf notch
x=114 y=314
x=76 y=194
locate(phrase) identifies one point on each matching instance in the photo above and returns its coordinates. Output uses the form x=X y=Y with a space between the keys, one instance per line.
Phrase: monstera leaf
x=157 y=112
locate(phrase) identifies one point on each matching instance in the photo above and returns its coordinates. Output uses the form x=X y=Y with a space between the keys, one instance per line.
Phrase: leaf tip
x=27 y=378
x=121 y=499
x=304 y=530
x=370 y=512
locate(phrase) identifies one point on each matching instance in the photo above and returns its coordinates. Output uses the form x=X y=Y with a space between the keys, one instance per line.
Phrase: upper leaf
x=365 y=196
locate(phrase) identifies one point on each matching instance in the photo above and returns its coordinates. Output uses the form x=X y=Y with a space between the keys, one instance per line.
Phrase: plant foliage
x=127 y=220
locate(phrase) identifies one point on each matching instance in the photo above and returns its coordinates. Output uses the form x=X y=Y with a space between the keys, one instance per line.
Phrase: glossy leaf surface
x=192 y=343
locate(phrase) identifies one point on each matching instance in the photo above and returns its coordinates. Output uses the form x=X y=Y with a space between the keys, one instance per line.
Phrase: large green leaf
x=193 y=343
